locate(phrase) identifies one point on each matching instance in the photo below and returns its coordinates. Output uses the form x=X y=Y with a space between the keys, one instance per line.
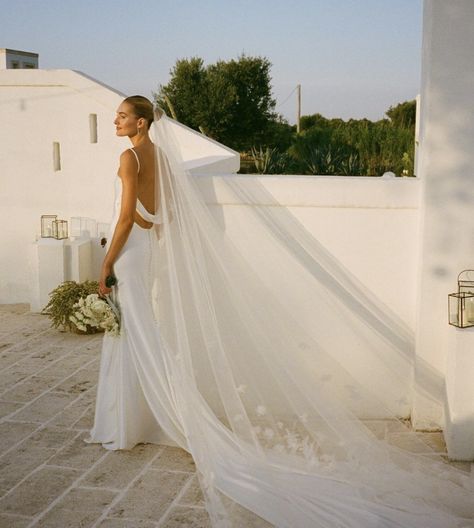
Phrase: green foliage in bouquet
x=62 y=300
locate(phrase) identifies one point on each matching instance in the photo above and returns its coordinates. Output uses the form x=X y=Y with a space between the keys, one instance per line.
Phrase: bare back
x=146 y=182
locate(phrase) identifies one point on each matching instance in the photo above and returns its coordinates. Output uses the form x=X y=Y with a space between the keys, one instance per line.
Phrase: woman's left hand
x=106 y=271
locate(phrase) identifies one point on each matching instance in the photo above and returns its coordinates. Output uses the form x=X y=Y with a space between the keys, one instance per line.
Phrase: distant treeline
x=231 y=102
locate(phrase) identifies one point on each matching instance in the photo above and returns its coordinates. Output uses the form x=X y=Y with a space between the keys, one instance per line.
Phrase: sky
x=353 y=59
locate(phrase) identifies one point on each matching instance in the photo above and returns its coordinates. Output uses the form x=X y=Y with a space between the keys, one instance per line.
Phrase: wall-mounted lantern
x=47 y=225
x=60 y=229
x=461 y=303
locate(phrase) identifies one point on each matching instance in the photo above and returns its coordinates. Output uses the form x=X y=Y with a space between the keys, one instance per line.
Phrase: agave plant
x=265 y=160
x=324 y=159
x=351 y=165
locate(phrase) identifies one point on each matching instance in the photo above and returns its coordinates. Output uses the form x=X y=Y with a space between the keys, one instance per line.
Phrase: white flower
x=92 y=297
x=99 y=307
x=96 y=313
x=261 y=410
x=241 y=388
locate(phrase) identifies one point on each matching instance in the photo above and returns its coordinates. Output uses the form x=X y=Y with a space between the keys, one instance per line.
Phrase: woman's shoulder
x=127 y=155
x=128 y=162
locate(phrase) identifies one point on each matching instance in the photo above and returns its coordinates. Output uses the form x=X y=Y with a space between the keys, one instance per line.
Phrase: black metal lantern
x=461 y=303
x=47 y=225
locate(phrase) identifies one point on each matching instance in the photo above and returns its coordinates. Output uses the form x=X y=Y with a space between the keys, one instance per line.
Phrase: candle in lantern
x=469 y=309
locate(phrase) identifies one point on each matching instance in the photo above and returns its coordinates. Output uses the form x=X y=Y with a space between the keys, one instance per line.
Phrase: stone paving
x=50 y=478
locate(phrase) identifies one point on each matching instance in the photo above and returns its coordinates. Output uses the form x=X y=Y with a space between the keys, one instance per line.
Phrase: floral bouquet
x=98 y=313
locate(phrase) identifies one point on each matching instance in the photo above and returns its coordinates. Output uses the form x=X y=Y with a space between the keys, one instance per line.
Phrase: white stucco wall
x=38 y=107
x=446 y=173
x=369 y=224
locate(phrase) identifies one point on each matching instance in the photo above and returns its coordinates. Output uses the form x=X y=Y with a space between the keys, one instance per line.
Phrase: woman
x=123 y=417
x=211 y=358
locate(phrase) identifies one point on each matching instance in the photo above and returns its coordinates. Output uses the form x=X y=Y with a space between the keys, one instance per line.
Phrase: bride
x=211 y=358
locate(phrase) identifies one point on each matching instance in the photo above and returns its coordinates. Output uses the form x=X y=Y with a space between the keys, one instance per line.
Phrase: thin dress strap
x=146 y=215
x=136 y=155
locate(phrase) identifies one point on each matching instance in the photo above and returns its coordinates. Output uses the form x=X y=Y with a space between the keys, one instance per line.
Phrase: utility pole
x=298 y=115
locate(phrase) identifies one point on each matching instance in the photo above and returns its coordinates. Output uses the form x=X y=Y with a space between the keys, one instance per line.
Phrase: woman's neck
x=139 y=140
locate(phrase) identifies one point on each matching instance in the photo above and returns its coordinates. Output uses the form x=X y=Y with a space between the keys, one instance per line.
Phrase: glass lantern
x=89 y=228
x=461 y=303
x=47 y=225
x=83 y=227
x=60 y=229
x=75 y=227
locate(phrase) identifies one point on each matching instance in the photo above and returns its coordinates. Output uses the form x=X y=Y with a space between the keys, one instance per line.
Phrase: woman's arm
x=128 y=173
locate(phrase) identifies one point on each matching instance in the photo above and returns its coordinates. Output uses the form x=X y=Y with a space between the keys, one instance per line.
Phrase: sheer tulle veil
x=275 y=419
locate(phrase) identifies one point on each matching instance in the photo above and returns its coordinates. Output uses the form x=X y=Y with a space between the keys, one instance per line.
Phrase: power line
x=278 y=105
x=298 y=102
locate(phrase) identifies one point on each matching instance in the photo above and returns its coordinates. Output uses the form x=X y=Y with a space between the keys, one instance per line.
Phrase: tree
x=187 y=91
x=403 y=115
x=231 y=100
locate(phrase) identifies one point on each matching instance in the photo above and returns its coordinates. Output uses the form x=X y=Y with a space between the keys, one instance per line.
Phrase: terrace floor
x=50 y=478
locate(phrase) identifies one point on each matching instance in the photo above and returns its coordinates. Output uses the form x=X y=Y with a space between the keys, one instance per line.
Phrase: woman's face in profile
x=126 y=122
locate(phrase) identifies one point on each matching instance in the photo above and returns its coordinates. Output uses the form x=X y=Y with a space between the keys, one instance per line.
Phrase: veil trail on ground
x=277 y=414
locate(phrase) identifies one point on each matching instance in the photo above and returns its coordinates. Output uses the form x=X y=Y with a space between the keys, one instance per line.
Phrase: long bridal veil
x=277 y=414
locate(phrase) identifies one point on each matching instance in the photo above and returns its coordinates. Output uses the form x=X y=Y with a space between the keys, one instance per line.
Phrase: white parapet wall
x=369 y=224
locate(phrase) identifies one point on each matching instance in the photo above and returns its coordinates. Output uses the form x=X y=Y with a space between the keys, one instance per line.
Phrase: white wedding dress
x=123 y=417
x=211 y=359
